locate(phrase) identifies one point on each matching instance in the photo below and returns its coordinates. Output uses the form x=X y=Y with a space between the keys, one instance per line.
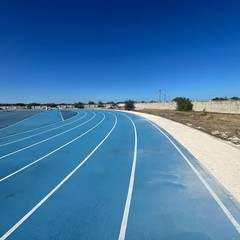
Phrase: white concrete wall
x=159 y=105
x=228 y=106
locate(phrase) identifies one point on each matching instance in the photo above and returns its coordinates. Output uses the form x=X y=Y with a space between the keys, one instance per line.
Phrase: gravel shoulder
x=217 y=157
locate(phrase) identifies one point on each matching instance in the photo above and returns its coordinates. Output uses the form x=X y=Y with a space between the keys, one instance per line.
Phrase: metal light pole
x=159 y=95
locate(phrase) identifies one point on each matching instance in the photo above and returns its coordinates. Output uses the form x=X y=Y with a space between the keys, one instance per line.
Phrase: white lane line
x=61 y=115
x=47 y=139
x=23 y=219
x=123 y=229
x=34 y=129
x=57 y=149
x=210 y=190
x=21 y=139
x=19 y=121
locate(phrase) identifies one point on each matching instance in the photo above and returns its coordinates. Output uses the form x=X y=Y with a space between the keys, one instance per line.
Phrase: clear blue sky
x=115 y=50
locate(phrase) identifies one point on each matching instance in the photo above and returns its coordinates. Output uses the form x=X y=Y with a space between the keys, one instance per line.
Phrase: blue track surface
x=9 y=117
x=105 y=175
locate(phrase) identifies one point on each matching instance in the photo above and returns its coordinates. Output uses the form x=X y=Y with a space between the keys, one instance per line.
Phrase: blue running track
x=102 y=174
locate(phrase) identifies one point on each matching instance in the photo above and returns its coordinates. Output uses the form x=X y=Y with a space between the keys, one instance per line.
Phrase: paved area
x=218 y=157
x=106 y=175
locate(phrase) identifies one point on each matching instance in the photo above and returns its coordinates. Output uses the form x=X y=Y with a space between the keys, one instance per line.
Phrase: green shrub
x=129 y=105
x=79 y=105
x=203 y=113
x=100 y=104
x=183 y=104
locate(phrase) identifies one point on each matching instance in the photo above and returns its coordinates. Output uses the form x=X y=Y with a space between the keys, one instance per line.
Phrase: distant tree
x=79 y=105
x=20 y=104
x=52 y=105
x=220 y=99
x=129 y=105
x=35 y=104
x=63 y=104
x=235 y=98
x=113 y=105
x=100 y=104
x=91 y=103
x=183 y=104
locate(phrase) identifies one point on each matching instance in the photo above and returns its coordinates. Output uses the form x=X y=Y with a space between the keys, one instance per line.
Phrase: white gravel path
x=219 y=158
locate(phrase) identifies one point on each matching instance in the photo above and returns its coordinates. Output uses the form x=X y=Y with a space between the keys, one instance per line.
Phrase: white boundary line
x=61 y=115
x=47 y=139
x=57 y=149
x=210 y=190
x=21 y=139
x=123 y=229
x=24 y=218
x=34 y=129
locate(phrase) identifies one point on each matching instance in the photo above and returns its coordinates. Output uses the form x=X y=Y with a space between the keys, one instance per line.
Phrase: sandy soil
x=219 y=158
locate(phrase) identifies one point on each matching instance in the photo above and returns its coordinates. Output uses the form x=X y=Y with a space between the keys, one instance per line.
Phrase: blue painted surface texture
x=168 y=202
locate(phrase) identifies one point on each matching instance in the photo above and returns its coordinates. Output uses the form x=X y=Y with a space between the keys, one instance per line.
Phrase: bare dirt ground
x=220 y=125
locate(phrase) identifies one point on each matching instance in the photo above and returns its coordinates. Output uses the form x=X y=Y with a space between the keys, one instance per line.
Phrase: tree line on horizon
x=224 y=99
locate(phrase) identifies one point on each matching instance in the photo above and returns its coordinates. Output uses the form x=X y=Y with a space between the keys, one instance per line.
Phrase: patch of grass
x=203 y=113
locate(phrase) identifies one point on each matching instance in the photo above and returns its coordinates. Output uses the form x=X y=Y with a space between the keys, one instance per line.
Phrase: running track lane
x=123 y=180
x=10 y=117
x=38 y=130
x=42 y=118
x=10 y=165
